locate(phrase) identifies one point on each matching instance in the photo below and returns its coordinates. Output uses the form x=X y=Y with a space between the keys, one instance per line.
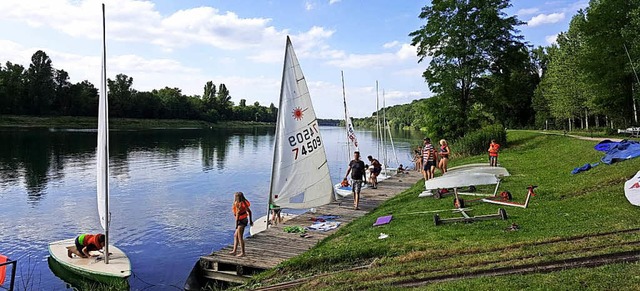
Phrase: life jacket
x=493 y=149
x=240 y=209
x=344 y=183
x=90 y=241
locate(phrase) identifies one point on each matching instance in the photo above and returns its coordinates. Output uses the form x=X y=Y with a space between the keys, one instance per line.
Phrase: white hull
x=498 y=171
x=632 y=190
x=94 y=267
x=346 y=191
x=463 y=179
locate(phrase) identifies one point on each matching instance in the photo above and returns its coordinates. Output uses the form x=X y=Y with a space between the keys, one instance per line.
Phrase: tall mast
x=106 y=142
x=384 y=133
x=377 y=120
x=276 y=145
x=346 y=117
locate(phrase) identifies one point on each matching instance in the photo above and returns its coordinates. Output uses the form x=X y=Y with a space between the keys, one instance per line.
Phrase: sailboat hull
x=94 y=268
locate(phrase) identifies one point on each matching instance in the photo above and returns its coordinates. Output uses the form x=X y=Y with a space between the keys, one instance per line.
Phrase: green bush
x=477 y=142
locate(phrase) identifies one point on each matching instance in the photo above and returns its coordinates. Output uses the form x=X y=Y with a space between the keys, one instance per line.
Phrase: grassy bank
x=556 y=227
x=81 y=122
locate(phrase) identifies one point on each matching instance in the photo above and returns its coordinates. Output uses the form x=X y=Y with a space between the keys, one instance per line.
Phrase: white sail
x=352 y=140
x=103 y=148
x=300 y=175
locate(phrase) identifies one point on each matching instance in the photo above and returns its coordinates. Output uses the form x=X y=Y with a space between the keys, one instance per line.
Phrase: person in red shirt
x=241 y=212
x=493 y=153
x=86 y=243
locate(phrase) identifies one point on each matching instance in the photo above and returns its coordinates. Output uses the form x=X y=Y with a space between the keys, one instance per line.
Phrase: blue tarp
x=584 y=168
x=626 y=149
x=605 y=145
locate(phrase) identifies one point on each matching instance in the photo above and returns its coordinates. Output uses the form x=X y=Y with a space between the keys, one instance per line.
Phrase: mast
x=346 y=117
x=106 y=141
x=377 y=120
x=384 y=133
x=275 y=146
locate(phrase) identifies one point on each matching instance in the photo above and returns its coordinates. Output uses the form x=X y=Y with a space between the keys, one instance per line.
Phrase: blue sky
x=186 y=43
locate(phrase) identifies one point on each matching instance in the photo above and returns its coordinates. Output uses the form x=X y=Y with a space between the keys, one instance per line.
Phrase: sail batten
x=300 y=175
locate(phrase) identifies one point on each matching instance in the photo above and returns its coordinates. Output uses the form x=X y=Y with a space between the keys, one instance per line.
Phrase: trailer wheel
x=472 y=188
x=436 y=219
x=503 y=213
x=437 y=194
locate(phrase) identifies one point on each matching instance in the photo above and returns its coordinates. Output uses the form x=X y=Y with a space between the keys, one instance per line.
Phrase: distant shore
x=84 y=122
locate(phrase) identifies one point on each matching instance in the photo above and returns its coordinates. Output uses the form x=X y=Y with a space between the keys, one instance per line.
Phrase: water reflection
x=38 y=157
x=171 y=191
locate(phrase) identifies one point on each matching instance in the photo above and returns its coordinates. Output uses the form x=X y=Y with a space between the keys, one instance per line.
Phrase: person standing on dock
x=376 y=168
x=356 y=167
x=241 y=211
x=428 y=159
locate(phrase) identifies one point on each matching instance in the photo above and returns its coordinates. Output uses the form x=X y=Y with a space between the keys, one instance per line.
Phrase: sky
x=185 y=43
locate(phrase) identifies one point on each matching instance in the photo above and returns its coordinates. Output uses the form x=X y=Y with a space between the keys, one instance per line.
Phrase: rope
x=149 y=285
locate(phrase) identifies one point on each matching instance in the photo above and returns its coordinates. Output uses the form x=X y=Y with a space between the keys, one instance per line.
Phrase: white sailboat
x=382 y=133
x=352 y=144
x=113 y=264
x=300 y=174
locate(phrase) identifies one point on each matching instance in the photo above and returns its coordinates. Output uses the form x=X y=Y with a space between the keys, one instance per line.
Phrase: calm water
x=171 y=192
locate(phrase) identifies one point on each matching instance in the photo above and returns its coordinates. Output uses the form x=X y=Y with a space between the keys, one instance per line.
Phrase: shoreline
x=86 y=122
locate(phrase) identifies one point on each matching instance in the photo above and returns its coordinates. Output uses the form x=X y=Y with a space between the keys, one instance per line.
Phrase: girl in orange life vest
x=240 y=211
x=493 y=153
x=86 y=243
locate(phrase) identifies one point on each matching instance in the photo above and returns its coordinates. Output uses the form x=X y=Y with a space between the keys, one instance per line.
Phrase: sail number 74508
x=305 y=141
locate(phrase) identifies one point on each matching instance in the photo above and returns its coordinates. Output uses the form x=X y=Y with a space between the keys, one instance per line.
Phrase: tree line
x=483 y=72
x=42 y=89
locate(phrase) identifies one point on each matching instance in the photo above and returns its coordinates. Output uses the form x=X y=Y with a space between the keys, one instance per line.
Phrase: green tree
x=63 y=99
x=40 y=84
x=462 y=38
x=223 y=102
x=120 y=93
x=13 y=89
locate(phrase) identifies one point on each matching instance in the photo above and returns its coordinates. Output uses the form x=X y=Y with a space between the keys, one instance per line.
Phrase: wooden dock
x=269 y=248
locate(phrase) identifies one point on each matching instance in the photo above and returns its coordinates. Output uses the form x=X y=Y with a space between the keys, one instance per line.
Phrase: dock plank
x=267 y=249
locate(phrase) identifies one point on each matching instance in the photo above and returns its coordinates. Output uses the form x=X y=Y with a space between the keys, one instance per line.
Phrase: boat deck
x=267 y=249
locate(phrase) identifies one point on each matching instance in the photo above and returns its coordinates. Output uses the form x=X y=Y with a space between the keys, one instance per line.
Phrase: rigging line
x=149 y=285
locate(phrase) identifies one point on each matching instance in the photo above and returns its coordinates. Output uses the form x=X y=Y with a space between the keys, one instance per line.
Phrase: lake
x=171 y=193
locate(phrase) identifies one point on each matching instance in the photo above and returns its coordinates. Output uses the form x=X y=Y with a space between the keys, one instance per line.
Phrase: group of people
x=428 y=158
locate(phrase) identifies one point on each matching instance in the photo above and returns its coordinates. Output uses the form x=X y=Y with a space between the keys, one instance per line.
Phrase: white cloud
x=152 y=72
x=309 y=5
x=405 y=52
x=390 y=44
x=551 y=39
x=527 y=11
x=333 y=2
x=545 y=19
x=309 y=44
x=139 y=21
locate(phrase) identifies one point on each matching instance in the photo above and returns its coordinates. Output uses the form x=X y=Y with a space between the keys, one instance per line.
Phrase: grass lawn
x=566 y=208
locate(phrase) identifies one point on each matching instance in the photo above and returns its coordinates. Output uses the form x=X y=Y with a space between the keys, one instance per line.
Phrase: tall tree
x=462 y=38
x=63 y=98
x=13 y=89
x=223 y=101
x=40 y=83
x=120 y=93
